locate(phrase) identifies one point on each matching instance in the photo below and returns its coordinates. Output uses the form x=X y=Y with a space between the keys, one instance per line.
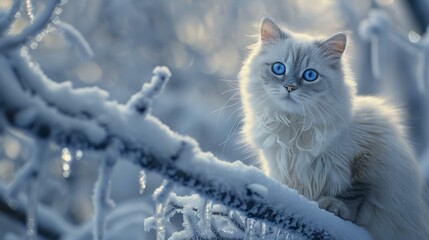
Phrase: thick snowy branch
x=83 y=119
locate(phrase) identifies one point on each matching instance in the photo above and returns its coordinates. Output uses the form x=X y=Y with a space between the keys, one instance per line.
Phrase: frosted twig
x=101 y=199
x=31 y=30
x=160 y=196
x=141 y=101
x=250 y=229
x=75 y=38
x=28 y=173
x=30 y=8
x=32 y=208
x=8 y=19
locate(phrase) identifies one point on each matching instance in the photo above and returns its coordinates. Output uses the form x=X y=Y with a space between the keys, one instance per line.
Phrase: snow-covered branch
x=31 y=30
x=9 y=17
x=83 y=119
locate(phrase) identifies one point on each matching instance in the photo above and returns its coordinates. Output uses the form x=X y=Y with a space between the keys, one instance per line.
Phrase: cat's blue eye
x=310 y=75
x=278 y=68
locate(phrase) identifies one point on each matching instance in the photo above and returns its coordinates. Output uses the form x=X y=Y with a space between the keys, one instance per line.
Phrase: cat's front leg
x=335 y=206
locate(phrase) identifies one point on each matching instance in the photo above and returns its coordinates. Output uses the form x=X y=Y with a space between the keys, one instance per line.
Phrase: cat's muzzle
x=290 y=88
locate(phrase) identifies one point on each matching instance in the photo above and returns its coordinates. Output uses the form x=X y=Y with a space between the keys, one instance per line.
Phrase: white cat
x=314 y=134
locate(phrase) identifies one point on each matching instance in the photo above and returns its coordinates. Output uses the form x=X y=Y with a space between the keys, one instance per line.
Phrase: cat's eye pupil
x=278 y=68
x=310 y=75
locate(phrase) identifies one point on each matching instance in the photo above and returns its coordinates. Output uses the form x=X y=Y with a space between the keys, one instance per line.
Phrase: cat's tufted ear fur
x=270 y=31
x=334 y=46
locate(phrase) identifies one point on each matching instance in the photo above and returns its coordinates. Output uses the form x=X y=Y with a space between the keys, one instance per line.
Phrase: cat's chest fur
x=303 y=159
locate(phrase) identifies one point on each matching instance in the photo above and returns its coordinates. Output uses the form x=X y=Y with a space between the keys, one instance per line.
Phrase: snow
x=205 y=216
x=93 y=118
x=30 y=8
x=142 y=101
x=8 y=18
x=220 y=181
x=31 y=30
x=142 y=181
x=250 y=229
x=101 y=197
x=160 y=197
x=258 y=190
x=285 y=201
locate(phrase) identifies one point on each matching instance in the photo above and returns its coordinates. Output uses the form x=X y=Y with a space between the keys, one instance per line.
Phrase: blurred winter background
x=203 y=43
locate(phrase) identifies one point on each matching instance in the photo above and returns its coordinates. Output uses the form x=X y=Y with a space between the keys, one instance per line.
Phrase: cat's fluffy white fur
x=347 y=152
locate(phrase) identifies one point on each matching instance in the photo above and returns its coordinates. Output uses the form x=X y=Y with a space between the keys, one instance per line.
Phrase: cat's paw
x=334 y=206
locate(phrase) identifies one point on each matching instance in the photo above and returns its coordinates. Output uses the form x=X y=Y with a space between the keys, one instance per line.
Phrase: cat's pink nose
x=290 y=88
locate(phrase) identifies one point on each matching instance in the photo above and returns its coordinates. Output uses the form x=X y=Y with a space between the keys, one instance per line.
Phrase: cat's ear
x=270 y=31
x=335 y=45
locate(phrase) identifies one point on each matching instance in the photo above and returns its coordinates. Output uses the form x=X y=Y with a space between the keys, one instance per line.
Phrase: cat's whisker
x=225 y=106
x=234 y=83
x=233 y=113
x=230 y=90
x=232 y=131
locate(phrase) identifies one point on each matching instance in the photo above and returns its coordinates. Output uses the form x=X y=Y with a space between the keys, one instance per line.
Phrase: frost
x=205 y=216
x=30 y=9
x=7 y=19
x=141 y=101
x=29 y=173
x=31 y=214
x=264 y=231
x=31 y=30
x=161 y=196
x=234 y=201
x=142 y=181
x=160 y=221
x=101 y=198
x=249 y=234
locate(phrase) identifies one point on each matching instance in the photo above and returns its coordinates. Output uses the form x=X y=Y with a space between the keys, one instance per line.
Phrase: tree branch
x=6 y=21
x=31 y=30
